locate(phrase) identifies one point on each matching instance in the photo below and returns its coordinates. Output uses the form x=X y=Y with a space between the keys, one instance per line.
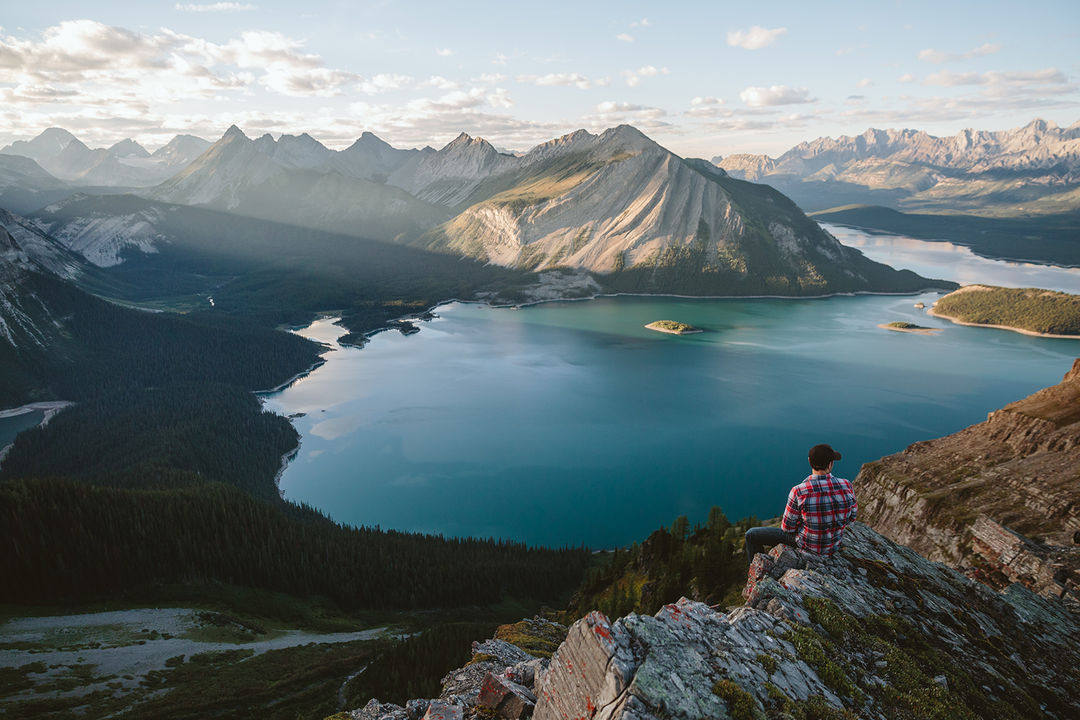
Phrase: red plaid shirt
x=817 y=511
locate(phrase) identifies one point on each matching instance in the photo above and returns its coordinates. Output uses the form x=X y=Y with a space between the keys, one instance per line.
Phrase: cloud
x=552 y=79
x=938 y=57
x=384 y=82
x=500 y=98
x=625 y=37
x=755 y=38
x=490 y=78
x=633 y=77
x=215 y=7
x=98 y=60
x=775 y=95
x=702 y=107
x=865 y=82
x=318 y=82
x=444 y=52
x=644 y=117
x=643 y=22
x=1047 y=76
x=440 y=83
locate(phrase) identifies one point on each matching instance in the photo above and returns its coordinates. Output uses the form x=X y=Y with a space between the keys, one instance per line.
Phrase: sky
x=701 y=78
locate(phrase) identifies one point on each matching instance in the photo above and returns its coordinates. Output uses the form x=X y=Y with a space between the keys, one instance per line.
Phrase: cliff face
x=875 y=632
x=998 y=499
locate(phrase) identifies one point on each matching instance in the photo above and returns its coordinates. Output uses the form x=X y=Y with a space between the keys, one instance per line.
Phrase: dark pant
x=757 y=538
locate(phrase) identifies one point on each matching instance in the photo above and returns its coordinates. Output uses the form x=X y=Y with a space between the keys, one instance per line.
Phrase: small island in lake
x=902 y=326
x=1031 y=311
x=672 y=327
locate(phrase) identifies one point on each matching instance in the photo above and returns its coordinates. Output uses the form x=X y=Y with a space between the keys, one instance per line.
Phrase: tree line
x=703 y=563
x=72 y=541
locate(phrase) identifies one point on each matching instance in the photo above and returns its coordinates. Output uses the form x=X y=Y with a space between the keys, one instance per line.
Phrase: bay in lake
x=13 y=424
x=569 y=423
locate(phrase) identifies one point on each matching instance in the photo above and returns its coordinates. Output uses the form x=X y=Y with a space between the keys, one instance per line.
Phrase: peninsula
x=673 y=328
x=1032 y=311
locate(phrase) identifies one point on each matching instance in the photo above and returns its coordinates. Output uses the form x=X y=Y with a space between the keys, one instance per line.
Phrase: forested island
x=1028 y=310
x=672 y=327
x=908 y=327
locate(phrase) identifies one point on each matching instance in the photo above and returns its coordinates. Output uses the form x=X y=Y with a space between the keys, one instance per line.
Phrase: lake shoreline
x=962 y=243
x=49 y=408
x=1022 y=331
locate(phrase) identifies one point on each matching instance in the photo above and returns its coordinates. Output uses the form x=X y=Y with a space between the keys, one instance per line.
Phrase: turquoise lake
x=569 y=423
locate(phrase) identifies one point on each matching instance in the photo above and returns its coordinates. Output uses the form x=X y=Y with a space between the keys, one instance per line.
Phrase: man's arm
x=792 y=513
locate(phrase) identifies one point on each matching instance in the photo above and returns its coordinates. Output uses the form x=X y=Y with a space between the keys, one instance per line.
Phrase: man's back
x=818 y=510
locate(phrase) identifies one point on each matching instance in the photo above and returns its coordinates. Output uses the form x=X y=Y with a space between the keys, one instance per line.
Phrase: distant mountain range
x=616 y=204
x=1034 y=169
x=125 y=164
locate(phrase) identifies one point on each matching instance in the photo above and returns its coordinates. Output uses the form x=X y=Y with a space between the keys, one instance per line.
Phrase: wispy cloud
x=215 y=7
x=754 y=38
x=705 y=107
x=775 y=95
x=633 y=77
x=644 y=117
x=441 y=83
x=643 y=22
x=1046 y=76
x=444 y=52
x=385 y=82
x=625 y=37
x=939 y=57
x=555 y=79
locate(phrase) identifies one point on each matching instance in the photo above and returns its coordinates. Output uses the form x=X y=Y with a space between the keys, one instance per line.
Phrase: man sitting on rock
x=818 y=509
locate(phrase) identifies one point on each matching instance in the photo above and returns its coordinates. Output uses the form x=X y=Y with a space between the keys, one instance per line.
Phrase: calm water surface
x=942 y=259
x=14 y=424
x=569 y=422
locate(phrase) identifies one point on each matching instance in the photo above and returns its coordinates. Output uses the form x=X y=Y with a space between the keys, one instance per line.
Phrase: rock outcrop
x=875 y=632
x=498 y=682
x=999 y=500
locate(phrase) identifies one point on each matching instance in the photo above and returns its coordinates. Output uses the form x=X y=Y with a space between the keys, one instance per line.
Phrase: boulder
x=507 y=698
x=439 y=710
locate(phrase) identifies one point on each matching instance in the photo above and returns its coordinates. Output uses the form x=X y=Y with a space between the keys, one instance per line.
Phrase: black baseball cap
x=821 y=456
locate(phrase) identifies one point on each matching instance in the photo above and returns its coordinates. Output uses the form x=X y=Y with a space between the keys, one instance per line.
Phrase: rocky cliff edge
x=999 y=500
x=875 y=632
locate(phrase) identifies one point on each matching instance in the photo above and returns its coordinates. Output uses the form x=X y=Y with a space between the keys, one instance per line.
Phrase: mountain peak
x=466 y=141
x=56 y=133
x=626 y=137
x=234 y=132
x=368 y=140
x=128 y=148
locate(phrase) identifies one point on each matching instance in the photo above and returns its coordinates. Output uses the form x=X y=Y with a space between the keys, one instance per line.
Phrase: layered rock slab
x=877 y=631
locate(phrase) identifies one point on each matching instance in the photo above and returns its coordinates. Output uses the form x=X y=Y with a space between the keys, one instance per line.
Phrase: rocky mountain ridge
x=124 y=164
x=999 y=500
x=875 y=632
x=911 y=169
x=28 y=318
x=611 y=203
